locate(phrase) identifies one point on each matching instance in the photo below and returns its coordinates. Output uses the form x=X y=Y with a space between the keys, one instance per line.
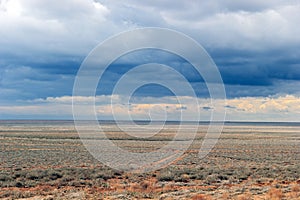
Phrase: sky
x=255 y=45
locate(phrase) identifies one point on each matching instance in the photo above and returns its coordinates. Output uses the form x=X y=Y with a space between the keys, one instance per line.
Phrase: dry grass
x=275 y=194
x=247 y=163
x=201 y=197
x=295 y=193
x=246 y=196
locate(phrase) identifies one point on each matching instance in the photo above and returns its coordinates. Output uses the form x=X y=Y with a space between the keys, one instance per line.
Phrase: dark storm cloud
x=264 y=68
x=255 y=74
x=254 y=44
x=25 y=82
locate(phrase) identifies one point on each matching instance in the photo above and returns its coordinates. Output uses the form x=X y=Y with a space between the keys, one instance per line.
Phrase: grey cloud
x=206 y=108
x=182 y=108
x=255 y=43
x=230 y=107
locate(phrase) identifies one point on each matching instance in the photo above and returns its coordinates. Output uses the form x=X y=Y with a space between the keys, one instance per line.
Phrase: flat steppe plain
x=249 y=161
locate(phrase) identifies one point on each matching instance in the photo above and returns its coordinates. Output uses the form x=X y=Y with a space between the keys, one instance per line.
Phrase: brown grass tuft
x=225 y=195
x=244 y=197
x=295 y=193
x=201 y=197
x=296 y=188
x=275 y=194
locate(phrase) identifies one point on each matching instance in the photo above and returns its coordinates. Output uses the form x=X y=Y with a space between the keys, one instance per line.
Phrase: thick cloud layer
x=255 y=44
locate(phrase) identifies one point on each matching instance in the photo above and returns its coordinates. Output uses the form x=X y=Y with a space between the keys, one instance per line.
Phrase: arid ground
x=250 y=161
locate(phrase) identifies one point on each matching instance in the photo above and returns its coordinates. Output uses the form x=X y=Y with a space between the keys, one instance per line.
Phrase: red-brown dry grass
x=201 y=197
x=244 y=197
x=274 y=194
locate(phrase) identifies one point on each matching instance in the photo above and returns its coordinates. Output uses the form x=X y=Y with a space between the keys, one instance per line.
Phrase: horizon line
x=141 y=120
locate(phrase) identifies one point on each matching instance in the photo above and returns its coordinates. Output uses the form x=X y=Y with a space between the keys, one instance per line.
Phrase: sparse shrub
x=18 y=184
x=166 y=176
x=183 y=178
x=212 y=179
x=30 y=183
x=118 y=173
x=104 y=175
x=5 y=177
x=231 y=162
x=53 y=175
x=200 y=176
x=222 y=177
x=32 y=176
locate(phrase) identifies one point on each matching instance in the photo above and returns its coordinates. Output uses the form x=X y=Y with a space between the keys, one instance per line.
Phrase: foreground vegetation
x=247 y=163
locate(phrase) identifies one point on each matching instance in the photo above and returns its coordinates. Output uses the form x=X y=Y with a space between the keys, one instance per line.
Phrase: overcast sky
x=255 y=45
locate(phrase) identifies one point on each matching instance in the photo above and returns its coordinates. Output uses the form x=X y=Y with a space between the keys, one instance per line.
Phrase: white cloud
x=286 y=104
x=231 y=24
x=269 y=28
x=277 y=108
x=76 y=26
x=38 y=27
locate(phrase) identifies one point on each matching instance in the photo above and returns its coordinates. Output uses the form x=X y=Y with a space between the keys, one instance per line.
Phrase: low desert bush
x=166 y=176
